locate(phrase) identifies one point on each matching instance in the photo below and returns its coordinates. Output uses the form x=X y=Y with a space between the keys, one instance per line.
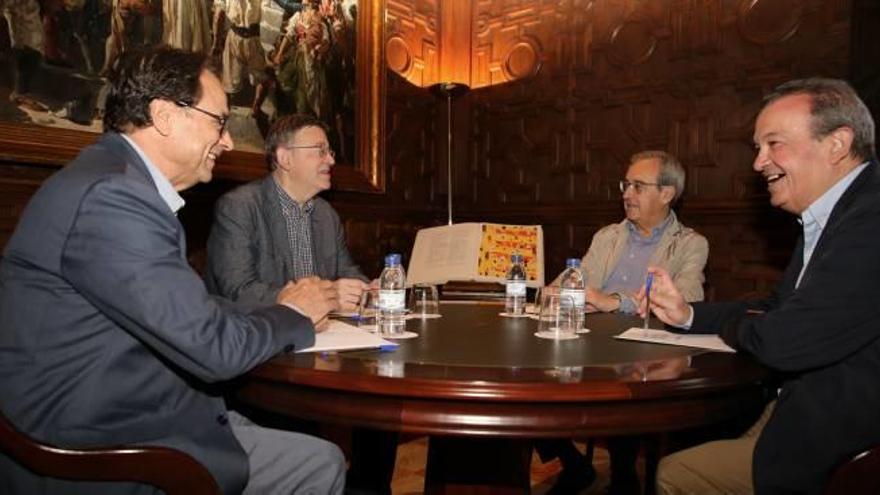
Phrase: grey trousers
x=723 y=466
x=284 y=462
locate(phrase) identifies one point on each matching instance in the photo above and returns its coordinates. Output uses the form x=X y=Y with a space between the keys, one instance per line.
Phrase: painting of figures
x=276 y=57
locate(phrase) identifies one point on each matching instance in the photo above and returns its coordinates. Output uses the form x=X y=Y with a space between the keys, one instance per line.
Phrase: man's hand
x=666 y=302
x=348 y=293
x=605 y=303
x=311 y=296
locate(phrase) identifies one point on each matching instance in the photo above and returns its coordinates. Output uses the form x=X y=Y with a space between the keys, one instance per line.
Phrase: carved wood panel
x=621 y=76
x=614 y=77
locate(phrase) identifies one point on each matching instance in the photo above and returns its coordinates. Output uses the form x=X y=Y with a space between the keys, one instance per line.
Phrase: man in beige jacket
x=615 y=267
x=616 y=263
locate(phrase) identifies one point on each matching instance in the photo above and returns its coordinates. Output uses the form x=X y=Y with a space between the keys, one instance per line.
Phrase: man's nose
x=226 y=140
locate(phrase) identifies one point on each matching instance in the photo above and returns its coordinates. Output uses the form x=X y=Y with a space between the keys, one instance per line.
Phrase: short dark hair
x=141 y=75
x=283 y=130
x=834 y=104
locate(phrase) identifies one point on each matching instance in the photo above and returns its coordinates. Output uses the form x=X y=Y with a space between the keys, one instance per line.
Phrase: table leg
x=458 y=465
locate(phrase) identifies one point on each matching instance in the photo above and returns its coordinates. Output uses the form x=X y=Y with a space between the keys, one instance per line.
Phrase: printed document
x=699 y=340
x=476 y=252
x=340 y=336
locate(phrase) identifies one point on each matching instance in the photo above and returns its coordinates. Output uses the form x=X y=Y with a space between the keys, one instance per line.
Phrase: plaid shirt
x=299 y=233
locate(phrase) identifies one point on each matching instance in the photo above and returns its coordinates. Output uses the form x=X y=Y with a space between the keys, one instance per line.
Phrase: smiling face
x=196 y=139
x=648 y=208
x=308 y=169
x=797 y=166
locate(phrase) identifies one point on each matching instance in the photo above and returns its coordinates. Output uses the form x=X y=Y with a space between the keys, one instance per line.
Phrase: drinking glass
x=423 y=301
x=556 y=319
x=368 y=310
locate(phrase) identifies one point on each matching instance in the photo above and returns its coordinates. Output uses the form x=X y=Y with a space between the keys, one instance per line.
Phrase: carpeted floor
x=409 y=473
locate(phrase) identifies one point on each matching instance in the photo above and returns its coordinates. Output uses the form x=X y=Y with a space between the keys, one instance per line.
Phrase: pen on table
x=648 y=283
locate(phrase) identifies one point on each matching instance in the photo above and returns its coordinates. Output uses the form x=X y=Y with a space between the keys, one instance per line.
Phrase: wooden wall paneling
x=564 y=92
x=620 y=76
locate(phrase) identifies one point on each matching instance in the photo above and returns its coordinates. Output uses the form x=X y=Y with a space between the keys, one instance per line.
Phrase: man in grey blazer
x=108 y=337
x=274 y=230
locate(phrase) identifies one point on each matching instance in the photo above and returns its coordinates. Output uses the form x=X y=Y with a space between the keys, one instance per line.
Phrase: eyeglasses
x=323 y=149
x=638 y=185
x=222 y=120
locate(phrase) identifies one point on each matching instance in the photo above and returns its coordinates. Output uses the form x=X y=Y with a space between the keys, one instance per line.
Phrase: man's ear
x=667 y=194
x=840 y=141
x=282 y=159
x=161 y=113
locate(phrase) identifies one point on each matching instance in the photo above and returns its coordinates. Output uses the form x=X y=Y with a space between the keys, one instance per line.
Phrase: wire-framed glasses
x=323 y=149
x=638 y=185
x=221 y=120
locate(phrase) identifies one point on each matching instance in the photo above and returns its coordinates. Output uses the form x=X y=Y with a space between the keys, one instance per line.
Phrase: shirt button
x=222 y=419
x=625 y=278
x=631 y=256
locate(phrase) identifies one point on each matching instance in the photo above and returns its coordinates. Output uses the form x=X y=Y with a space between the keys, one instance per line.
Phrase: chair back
x=858 y=476
x=170 y=470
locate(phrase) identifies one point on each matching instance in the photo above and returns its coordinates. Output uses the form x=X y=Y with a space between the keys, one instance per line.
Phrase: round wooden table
x=473 y=374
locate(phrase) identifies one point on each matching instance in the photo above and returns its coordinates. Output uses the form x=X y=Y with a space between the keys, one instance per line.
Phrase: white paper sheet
x=699 y=340
x=341 y=336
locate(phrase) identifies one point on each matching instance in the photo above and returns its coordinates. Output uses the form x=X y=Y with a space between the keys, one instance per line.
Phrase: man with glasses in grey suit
x=108 y=336
x=276 y=230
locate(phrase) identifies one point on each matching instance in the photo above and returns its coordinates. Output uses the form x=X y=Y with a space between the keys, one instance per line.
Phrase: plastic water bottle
x=392 y=296
x=572 y=285
x=515 y=293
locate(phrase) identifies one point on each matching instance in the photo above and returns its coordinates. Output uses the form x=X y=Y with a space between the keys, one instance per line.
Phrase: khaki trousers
x=723 y=466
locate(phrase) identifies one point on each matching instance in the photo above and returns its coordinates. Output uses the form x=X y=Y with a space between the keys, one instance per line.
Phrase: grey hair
x=671 y=171
x=834 y=104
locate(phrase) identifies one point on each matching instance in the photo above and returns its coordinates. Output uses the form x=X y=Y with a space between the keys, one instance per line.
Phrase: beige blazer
x=682 y=252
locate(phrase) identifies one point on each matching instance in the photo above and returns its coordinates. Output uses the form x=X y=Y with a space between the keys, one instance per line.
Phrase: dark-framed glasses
x=638 y=185
x=221 y=120
x=324 y=149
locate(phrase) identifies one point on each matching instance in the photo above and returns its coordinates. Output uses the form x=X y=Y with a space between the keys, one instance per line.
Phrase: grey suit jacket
x=248 y=245
x=108 y=337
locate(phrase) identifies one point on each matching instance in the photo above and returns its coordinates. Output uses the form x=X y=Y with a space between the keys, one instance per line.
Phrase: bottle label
x=576 y=295
x=392 y=299
x=516 y=288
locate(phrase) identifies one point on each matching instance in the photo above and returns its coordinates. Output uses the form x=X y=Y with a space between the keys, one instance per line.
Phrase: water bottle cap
x=392 y=259
x=516 y=258
x=573 y=262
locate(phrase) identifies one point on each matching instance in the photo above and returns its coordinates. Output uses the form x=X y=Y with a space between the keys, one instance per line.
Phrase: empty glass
x=423 y=302
x=556 y=318
x=368 y=310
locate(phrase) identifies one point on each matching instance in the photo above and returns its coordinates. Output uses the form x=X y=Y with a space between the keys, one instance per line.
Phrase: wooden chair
x=858 y=476
x=170 y=470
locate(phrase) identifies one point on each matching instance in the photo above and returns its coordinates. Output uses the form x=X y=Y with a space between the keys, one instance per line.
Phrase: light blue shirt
x=163 y=185
x=629 y=273
x=814 y=219
x=816 y=215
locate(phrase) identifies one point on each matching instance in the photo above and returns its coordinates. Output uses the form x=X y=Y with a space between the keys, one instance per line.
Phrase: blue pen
x=648 y=282
x=387 y=347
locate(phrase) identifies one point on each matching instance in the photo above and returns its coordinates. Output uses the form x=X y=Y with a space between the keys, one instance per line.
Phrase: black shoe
x=572 y=481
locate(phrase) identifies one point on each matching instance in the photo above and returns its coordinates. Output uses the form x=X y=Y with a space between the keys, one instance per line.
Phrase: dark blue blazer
x=824 y=338
x=108 y=337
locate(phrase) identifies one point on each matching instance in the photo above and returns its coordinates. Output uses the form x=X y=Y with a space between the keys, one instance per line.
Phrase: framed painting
x=323 y=57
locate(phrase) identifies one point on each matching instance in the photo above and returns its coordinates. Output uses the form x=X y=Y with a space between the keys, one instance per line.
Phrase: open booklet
x=699 y=340
x=340 y=336
x=476 y=252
